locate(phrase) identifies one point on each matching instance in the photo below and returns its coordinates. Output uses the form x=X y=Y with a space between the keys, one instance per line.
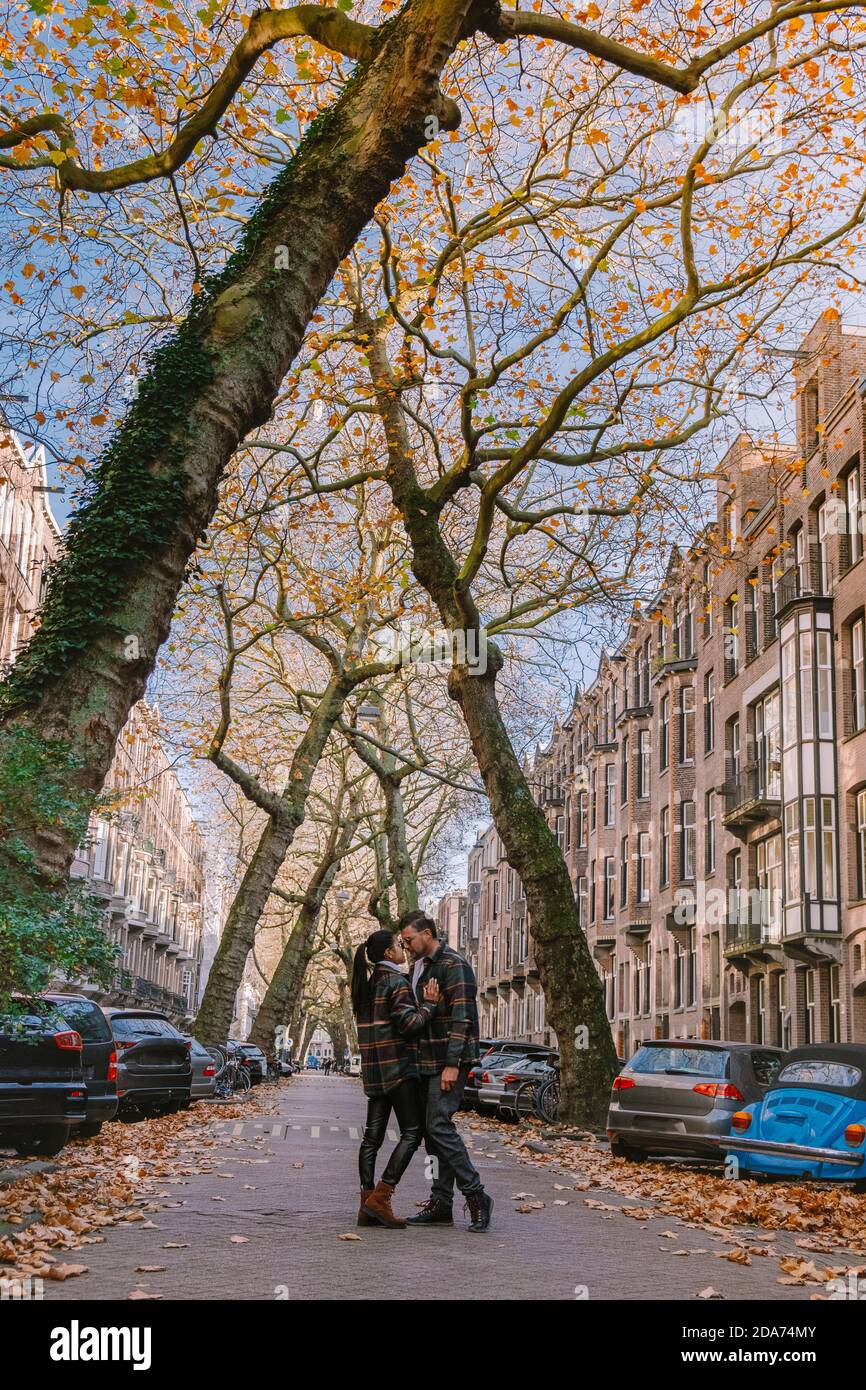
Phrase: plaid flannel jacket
x=388 y=1038
x=451 y=1037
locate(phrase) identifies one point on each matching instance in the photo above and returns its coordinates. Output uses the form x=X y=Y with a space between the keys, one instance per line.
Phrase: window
x=800 y=559
x=852 y=505
x=664 y=731
x=609 y=886
x=689 y=624
x=828 y=848
x=645 y=672
x=732 y=637
x=784 y=1013
x=708 y=602
x=592 y=891
x=810 y=1005
x=643 y=764
x=664 y=847
x=623 y=784
x=810 y=418
x=581 y=820
x=835 y=991
x=825 y=683
x=582 y=893
x=792 y=852
x=686 y=745
x=687 y=839
x=609 y=793
x=734 y=749
x=644 y=861
x=789 y=694
x=823 y=548
x=710 y=832
x=769 y=867
x=767 y=745
x=593 y=798
x=736 y=914
x=753 y=625
x=623 y=871
x=709 y=712
x=861 y=844
x=858 y=674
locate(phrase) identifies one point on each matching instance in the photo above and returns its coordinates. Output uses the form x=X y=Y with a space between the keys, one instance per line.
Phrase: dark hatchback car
x=42 y=1092
x=254 y=1061
x=154 y=1069
x=677 y=1096
x=502 y=1054
x=99 y=1057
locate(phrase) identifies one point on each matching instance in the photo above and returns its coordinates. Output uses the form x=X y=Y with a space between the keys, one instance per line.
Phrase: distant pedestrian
x=389 y=1019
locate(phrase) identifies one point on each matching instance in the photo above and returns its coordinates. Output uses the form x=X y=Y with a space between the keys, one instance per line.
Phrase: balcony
x=552 y=796
x=754 y=796
x=637 y=935
x=604 y=946
x=751 y=934
x=803 y=582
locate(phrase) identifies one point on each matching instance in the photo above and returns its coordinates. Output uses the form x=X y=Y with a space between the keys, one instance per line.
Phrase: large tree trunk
x=217 y=1005
x=110 y=605
x=572 y=989
x=288 y=978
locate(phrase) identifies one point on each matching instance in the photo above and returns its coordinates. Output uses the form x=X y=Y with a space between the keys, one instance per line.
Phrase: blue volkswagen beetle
x=811 y=1122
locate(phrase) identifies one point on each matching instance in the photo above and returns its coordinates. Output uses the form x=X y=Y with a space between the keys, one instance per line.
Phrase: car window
x=198 y=1049
x=17 y=1025
x=86 y=1019
x=687 y=1060
x=766 y=1067
x=124 y=1027
x=814 y=1071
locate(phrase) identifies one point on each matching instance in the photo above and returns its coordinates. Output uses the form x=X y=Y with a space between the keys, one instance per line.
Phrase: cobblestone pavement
x=286 y=1185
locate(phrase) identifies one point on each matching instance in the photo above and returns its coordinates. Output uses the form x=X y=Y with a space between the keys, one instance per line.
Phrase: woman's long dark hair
x=372 y=950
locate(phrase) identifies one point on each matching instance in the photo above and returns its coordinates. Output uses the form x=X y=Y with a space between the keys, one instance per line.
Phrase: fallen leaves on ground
x=113 y=1179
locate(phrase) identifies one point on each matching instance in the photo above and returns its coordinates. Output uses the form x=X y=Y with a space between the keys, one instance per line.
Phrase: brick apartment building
x=145 y=861
x=709 y=789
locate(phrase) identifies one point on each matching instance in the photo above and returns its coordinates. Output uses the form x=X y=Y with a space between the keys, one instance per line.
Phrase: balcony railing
x=753 y=796
x=751 y=923
x=804 y=581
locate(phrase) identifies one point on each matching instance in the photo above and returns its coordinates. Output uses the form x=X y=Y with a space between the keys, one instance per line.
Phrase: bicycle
x=540 y=1096
x=231 y=1076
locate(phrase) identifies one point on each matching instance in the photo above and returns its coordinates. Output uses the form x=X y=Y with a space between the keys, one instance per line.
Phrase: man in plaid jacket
x=448 y=1047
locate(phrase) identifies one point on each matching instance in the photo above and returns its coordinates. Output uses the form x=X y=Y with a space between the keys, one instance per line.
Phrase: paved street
x=286 y=1185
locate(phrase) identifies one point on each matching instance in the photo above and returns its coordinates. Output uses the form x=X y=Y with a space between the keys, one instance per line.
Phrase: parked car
x=204 y=1071
x=42 y=1092
x=811 y=1123
x=154 y=1071
x=678 y=1096
x=255 y=1062
x=492 y=1067
x=506 y=1088
x=99 y=1057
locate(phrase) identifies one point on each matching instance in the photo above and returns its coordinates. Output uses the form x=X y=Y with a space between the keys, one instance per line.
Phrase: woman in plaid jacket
x=388 y=1019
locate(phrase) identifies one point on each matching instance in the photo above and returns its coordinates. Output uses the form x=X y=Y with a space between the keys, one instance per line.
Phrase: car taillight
x=512 y=1076
x=76 y=1095
x=726 y=1089
x=854 y=1135
x=485 y=1076
x=112 y=1067
x=209 y=1071
x=741 y=1120
x=247 y=1061
x=122 y=1045
x=622 y=1083
x=69 y=1042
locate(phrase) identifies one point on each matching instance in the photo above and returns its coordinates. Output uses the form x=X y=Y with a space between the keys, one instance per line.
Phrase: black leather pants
x=405 y=1102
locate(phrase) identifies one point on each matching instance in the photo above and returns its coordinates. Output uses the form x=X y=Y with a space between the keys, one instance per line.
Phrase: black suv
x=42 y=1090
x=154 y=1069
x=99 y=1057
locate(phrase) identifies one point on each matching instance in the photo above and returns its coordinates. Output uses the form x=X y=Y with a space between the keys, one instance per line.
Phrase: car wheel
x=42 y=1143
x=619 y=1149
x=90 y=1129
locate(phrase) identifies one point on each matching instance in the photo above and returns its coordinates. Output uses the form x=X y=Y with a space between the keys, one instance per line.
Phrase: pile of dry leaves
x=109 y=1180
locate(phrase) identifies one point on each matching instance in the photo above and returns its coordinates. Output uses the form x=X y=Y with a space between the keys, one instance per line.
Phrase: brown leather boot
x=378 y=1207
x=363 y=1218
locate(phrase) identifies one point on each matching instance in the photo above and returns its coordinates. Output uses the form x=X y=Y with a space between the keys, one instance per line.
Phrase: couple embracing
x=418 y=1037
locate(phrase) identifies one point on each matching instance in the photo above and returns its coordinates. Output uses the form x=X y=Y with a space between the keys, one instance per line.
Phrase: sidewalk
x=285 y=1189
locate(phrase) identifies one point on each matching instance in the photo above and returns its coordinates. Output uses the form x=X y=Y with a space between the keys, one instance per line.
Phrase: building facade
x=144 y=858
x=451 y=922
x=709 y=789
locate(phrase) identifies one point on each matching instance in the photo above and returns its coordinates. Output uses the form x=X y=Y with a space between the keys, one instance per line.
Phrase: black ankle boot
x=433 y=1213
x=480 y=1206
